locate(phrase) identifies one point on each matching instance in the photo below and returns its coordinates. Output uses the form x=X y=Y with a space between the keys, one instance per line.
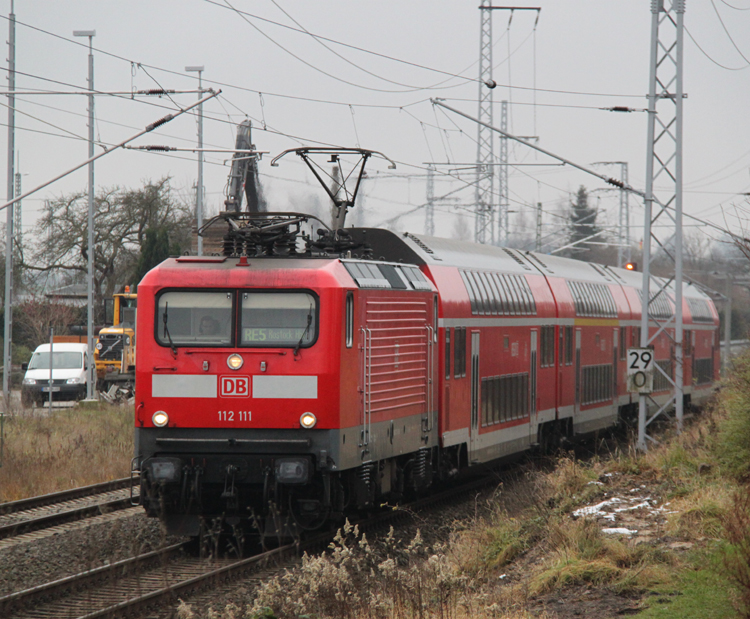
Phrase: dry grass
x=579 y=553
x=700 y=514
x=72 y=447
x=570 y=483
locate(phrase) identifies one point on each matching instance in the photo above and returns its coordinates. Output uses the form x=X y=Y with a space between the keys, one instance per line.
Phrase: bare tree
x=34 y=317
x=121 y=219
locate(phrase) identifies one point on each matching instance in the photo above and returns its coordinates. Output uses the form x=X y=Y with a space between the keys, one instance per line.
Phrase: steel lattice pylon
x=484 y=189
x=664 y=206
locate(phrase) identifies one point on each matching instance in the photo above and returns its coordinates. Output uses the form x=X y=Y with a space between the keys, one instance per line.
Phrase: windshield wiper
x=304 y=333
x=166 y=330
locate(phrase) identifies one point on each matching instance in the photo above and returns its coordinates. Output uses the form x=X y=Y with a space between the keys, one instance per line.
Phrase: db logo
x=234 y=386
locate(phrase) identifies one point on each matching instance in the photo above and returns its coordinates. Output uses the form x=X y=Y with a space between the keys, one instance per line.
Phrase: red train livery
x=283 y=386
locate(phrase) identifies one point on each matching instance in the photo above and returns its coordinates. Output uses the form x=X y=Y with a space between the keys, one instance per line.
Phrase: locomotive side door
x=475 y=393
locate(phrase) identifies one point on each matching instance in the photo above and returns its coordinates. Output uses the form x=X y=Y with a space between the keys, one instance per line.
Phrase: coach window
x=349 y=319
x=287 y=319
x=623 y=343
x=470 y=291
x=483 y=301
x=194 y=318
x=491 y=304
x=447 y=353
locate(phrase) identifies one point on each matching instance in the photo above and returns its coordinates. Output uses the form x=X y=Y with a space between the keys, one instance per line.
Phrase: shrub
x=733 y=444
x=737 y=553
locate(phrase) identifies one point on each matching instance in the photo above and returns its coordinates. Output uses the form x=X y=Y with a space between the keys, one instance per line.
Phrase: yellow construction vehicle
x=115 y=349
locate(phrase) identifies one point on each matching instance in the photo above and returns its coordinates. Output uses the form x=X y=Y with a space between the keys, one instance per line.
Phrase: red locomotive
x=298 y=376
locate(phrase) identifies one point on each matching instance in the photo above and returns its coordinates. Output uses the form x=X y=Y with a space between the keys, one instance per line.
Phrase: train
x=306 y=372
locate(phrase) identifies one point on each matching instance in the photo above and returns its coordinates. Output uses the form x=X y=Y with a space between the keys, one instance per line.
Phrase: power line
x=706 y=54
x=723 y=25
x=329 y=40
x=736 y=8
x=312 y=100
x=318 y=40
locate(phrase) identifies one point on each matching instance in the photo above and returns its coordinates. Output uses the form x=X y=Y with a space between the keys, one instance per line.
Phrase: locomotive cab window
x=194 y=318
x=278 y=319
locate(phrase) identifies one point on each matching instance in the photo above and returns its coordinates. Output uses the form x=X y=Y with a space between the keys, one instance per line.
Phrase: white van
x=68 y=373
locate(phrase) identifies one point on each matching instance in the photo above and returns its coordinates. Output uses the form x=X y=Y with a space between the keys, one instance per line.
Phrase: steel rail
x=63 y=517
x=19 y=600
x=63 y=496
x=22 y=603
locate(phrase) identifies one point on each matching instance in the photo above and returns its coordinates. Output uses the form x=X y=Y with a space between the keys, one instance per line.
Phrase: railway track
x=50 y=510
x=154 y=581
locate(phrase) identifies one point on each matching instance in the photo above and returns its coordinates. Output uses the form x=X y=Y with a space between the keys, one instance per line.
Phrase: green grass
x=701 y=592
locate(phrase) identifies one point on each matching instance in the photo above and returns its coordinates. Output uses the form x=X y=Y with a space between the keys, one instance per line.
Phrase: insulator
x=227 y=245
x=159 y=122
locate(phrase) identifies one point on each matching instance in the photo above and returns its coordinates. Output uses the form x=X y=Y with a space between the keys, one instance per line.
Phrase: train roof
x=433 y=251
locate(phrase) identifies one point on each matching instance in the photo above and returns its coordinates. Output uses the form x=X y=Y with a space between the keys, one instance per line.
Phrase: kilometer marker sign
x=640 y=366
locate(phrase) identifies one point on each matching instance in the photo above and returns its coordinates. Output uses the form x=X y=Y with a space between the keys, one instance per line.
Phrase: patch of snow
x=645 y=504
x=619 y=531
x=592 y=510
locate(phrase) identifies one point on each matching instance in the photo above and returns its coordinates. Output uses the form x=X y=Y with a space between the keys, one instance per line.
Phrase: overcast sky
x=582 y=56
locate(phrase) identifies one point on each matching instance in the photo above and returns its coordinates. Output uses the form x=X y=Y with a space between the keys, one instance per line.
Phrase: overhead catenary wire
x=282 y=133
x=310 y=99
x=707 y=55
x=723 y=25
x=148 y=129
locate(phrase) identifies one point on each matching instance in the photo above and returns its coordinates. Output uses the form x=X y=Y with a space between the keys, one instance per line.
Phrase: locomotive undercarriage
x=278 y=495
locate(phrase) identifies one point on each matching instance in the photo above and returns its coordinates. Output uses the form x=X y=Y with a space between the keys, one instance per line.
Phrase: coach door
x=475 y=392
x=532 y=387
x=615 y=355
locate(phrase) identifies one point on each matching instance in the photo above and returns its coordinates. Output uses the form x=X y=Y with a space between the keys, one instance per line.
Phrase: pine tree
x=582 y=225
x=155 y=249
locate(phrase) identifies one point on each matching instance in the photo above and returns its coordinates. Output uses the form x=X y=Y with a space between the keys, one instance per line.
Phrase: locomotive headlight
x=234 y=362
x=308 y=420
x=164 y=469
x=292 y=470
x=160 y=419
